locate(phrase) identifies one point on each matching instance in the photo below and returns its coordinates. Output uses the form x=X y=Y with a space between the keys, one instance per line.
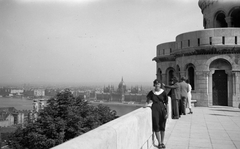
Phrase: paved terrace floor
x=207 y=128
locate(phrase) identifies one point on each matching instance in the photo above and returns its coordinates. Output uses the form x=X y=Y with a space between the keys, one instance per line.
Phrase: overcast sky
x=95 y=41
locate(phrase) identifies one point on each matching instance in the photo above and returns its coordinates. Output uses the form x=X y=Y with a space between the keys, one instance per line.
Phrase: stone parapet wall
x=165 y=48
x=216 y=36
x=198 y=39
x=131 y=131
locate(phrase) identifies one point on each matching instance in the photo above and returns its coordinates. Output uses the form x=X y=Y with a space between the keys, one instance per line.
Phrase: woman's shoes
x=190 y=112
x=161 y=146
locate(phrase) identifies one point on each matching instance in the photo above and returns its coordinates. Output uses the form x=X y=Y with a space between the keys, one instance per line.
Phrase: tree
x=64 y=118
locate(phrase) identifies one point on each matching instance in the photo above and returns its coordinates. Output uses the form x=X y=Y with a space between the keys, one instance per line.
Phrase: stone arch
x=190 y=73
x=220 y=64
x=221 y=75
x=170 y=73
x=234 y=14
x=219 y=19
x=225 y=57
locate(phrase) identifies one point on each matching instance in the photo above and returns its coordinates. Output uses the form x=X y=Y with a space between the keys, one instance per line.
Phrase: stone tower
x=209 y=58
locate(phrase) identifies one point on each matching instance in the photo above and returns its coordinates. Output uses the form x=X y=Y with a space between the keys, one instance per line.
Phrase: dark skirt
x=158 y=117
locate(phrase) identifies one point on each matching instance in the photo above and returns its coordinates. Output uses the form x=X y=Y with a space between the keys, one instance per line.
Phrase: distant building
x=81 y=94
x=51 y=92
x=121 y=94
x=6 y=119
x=108 y=89
x=10 y=116
x=122 y=88
x=39 y=92
x=5 y=91
x=16 y=92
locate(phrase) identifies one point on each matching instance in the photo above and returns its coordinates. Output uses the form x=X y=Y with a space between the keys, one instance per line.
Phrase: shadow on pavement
x=221 y=115
x=227 y=110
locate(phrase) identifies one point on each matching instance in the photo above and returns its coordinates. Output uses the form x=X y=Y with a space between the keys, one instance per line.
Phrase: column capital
x=236 y=73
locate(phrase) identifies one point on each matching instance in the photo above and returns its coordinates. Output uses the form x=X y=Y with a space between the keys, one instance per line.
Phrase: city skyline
x=88 y=42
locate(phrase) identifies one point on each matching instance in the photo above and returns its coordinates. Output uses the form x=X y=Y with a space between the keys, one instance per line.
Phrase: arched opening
x=159 y=74
x=220 y=81
x=170 y=74
x=191 y=75
x=235 y=15
x=220 y=20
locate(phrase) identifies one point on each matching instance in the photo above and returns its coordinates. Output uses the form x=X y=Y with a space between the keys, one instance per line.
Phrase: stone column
x=202 y=88
x=229 y=21
x=230 y=87
x=236 y=88
x=208 y=80
x=210 y=86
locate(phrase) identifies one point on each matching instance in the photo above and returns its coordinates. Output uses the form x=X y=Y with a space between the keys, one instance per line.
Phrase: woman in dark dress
x=159 y=100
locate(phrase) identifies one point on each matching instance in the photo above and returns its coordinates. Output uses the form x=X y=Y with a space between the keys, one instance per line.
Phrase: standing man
x=184 y=89
x=175 y=97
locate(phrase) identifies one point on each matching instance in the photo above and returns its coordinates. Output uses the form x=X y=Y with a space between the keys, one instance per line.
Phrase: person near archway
x=158 y=98
x=184 y=89
x=189 y=97
x=175 y=97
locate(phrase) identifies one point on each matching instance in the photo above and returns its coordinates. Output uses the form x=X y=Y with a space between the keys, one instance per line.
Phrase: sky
x=88 y=41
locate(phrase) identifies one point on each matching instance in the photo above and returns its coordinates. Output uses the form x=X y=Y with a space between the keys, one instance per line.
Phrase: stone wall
x=130 y=131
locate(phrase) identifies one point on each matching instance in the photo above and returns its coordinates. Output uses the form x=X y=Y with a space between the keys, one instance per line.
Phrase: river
x=25 y=104
x=18 y=103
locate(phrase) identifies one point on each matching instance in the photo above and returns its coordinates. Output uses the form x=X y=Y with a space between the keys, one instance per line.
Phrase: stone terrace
x=207 y=128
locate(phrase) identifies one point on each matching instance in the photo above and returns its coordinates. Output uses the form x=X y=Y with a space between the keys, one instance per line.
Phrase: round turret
x=220 y=13
x=205 y=3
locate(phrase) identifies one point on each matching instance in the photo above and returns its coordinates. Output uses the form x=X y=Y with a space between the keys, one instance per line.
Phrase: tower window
x=220 y=20
x=235 y=39
x=223 y=40
x=210 y=40
x=188 y=43
x=163 y=51
x=191 y=76
x=198 y=41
